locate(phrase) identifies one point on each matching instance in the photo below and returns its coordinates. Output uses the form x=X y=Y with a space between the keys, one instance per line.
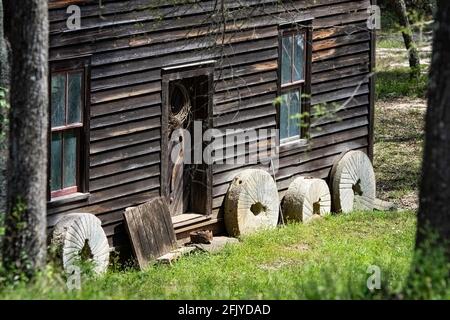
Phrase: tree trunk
x=4 y=105
x=413 y=54
x=24 y=247
x=434 y=211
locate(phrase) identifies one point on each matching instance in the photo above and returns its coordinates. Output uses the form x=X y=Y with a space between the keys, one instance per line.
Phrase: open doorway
x=187 y=103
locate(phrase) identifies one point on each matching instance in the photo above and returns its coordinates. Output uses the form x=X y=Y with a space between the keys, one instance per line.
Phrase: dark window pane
x=55 y=182
x=75 y=98
x=58 y=99
x=294 y=116
x=284 y=116
x=299 y=57
x=286 y=60
x=70 y=159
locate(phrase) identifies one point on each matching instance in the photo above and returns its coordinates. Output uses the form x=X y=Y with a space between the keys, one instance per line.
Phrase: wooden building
x=117 y=77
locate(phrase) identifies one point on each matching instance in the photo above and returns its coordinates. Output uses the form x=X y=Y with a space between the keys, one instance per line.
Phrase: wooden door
x=179 y=177
x=179 y=183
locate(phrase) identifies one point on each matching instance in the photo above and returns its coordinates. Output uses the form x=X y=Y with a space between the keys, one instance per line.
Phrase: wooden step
x=186 y=219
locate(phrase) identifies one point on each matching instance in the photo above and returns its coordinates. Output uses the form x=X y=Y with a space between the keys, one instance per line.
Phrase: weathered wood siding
x=130 y=44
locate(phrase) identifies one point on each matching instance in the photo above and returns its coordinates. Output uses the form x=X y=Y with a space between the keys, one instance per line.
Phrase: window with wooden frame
x=69 y=128
x=294 y=87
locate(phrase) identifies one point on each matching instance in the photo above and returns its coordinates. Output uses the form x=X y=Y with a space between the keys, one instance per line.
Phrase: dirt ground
x=399 y=134
x=399 y=131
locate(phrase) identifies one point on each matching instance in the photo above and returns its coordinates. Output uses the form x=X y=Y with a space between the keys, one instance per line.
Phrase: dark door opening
x=186 y=183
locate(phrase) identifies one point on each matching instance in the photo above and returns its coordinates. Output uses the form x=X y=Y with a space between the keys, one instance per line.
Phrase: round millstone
x=80 y=237
x=252 y=203
x=353 y=183
x=305 y=199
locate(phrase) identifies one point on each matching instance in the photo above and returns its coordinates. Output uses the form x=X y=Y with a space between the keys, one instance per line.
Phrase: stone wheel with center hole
x=80 y=236
x=306 y=198
x=252 y=203
x=353 y=183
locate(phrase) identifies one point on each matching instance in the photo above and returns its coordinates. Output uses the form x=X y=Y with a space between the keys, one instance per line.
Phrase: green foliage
x=3 y=102
x=420 y=18
x=398 y=83
x=389 y=22
x=430 y=279
x=423 y=7
x=326 y=112
x=17 y=268
x=17 y=214
x=418 y=7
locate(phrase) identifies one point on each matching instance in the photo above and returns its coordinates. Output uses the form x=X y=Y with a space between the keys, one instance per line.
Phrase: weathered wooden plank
x=125 y=177
x=104 y=210
x=125 y=104
x=241 y=82
x=339 y=126
x=125 y=140
x=339 y=84
x=124 y=153
x=245 y=92
x=120 y=190
x=244 y=103
x=340 y=62
x=126 y=80
x=125 y=92
x=124 y=165
x=126 y=128
x=340 y=51
x=126 y=116
x=340 y=94
x=241 y=116
x=151 y=231
x=340 y=41
x=339 y=73
x=339 y=30
x=239 y=71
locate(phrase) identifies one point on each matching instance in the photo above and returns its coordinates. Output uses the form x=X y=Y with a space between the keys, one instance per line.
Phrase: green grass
x=396 y=83
x=390 y=43
x=327 y=258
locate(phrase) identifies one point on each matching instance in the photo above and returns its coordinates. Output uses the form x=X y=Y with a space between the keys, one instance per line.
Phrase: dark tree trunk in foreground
x=413 y=54
x=4 y=93
x=434 y=212
x=24 y=247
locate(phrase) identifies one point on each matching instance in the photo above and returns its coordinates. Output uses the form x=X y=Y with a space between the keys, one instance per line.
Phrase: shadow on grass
x=399 y=125
x=398 y=83
x=399 y=135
